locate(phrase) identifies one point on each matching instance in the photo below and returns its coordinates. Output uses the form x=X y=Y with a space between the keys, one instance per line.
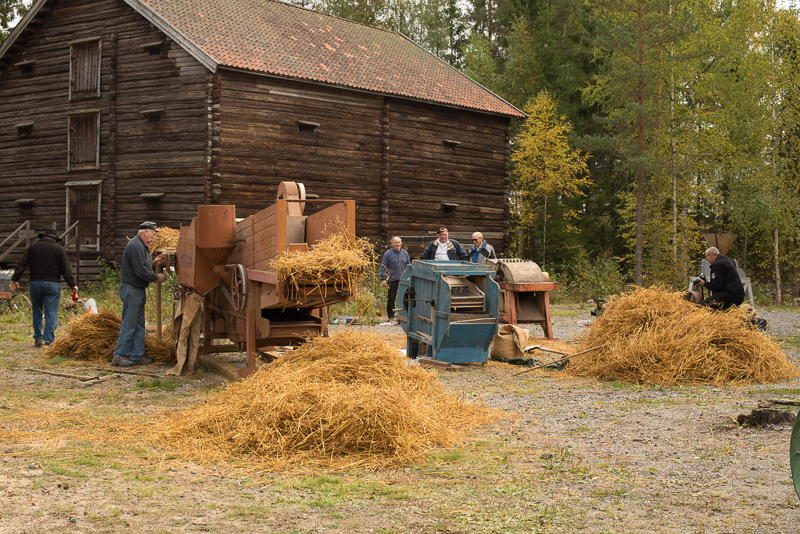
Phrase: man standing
x=725 y=285
x=48 y=263
x=481 y=250
x=136 y=273
x=394 y=262
x=444 y=249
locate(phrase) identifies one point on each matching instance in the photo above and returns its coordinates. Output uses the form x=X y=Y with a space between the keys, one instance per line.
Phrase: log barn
x=119 y=111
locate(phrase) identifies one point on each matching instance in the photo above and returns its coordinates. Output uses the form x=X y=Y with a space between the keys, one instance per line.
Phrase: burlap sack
x=509 y=343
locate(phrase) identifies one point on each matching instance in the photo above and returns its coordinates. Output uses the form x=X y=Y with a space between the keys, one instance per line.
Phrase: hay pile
x=657 y=337
x=344 y=401
x=166 y=238
x=94 y=337
x=333 y=261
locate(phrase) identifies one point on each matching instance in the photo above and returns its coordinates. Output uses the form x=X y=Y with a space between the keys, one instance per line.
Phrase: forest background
x=650 y=123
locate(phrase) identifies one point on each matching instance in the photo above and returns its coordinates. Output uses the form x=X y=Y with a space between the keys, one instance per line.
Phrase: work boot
x=121 y=361
x=142 y=361
x=37 y=343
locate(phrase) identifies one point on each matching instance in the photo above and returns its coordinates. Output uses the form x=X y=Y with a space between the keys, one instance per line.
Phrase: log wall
x=137 y=155
x=261 y=144
x=446 y=167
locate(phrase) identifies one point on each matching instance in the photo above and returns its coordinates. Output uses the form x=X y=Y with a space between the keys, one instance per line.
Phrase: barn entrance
x=84 y=204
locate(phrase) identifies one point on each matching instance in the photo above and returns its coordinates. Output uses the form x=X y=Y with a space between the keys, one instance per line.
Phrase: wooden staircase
x=82 y=257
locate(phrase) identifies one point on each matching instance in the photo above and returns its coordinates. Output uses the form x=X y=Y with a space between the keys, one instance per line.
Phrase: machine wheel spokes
x=239 y=288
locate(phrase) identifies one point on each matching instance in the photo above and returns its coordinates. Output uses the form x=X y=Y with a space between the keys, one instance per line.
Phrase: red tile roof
x=272 y=37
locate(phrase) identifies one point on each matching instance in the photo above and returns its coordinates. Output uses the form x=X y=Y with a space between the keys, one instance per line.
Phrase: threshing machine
x=228 y=262
x=449 y=310
x=525 y=293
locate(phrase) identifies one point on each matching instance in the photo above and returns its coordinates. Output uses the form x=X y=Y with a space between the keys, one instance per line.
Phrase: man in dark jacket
x=136 y=274
x=394 y=262
x=48 y=262
x=725 y=285
x=444 y=249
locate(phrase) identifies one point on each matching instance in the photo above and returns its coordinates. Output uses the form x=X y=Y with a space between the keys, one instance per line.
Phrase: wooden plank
x=215 y=364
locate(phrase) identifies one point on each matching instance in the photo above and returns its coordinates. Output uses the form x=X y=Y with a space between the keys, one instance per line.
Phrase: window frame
x=72 y=72
x=83 y=166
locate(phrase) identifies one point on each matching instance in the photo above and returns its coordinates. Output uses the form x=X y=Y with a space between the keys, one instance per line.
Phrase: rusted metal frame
x=253 y=314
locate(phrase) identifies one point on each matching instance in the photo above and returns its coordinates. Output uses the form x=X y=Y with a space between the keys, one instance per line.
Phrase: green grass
x=167 y=384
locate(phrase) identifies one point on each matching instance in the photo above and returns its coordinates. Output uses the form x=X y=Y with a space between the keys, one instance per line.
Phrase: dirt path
x=574 y=455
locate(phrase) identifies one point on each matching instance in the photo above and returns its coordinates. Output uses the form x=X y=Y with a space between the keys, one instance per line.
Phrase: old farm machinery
x=228 y=262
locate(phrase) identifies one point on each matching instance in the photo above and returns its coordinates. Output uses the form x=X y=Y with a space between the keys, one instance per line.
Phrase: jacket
x=454 y=250
x=480 y=255
x=47 y=261
x=137 y=265
x=724 y=277
x=393 y=264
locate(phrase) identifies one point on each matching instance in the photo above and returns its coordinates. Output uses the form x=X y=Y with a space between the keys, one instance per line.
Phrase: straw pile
x=657 y=337
x=333 y=261
x=166 y=238
x=94 y=337
x=344 y=401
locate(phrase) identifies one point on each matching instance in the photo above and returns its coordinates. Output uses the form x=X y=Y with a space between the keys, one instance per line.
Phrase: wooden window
x=25 y=204
x=84 y=141
x=153 y=115
x=307 y=126
x=24 y=130
x=153 y=49
x=84 y=69
x=26 y=67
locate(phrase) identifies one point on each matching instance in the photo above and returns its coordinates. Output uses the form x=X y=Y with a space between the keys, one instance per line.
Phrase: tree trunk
x=673 y=162
x=640 y=170
x=544 y=232
x=778 y=296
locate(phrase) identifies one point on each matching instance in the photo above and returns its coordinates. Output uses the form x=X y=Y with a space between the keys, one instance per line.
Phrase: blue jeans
x=45 y=297
x=130 y=343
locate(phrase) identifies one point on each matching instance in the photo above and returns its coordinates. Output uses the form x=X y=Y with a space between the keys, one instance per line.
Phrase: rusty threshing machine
x=227 y=261
x=525 y=297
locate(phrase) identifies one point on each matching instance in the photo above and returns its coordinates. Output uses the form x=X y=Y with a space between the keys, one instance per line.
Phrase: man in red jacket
x=48 y=262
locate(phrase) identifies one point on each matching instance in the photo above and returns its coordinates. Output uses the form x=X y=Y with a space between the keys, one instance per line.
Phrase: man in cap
x=444 y=249
x=48 y=262
x=136 y=274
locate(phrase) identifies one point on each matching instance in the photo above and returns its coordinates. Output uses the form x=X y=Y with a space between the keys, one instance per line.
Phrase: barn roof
x=273 y=38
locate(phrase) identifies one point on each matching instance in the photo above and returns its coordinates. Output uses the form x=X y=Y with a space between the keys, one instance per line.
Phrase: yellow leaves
x=545 y=163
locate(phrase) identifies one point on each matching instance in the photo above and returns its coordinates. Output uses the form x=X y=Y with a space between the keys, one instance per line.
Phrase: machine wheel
x=239 y=288
x=794 y=454
x=16 y=302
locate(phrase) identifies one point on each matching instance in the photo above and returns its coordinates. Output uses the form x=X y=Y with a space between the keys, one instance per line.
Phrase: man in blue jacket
x=444 y=249
x=394 y=262
x=137 y=273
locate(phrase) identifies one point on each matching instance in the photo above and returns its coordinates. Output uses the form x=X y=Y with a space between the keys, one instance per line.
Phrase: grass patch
x=570 y=312
x=167 y=384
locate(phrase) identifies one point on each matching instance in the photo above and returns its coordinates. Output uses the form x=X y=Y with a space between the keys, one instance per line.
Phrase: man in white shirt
x=444 y=249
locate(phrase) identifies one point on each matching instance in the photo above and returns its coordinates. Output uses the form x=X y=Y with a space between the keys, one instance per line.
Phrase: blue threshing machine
x=449 y=310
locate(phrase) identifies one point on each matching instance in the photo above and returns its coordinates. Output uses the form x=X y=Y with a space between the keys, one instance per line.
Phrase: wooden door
x=83 y=204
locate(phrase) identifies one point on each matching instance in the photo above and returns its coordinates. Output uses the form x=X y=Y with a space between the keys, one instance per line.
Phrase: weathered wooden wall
x=447 y=167
x=231 y=137
x=261 y=145
x=405 y=163
x=136 y=156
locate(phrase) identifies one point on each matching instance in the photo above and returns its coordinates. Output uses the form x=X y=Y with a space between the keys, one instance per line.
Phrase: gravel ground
x=644 y=459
